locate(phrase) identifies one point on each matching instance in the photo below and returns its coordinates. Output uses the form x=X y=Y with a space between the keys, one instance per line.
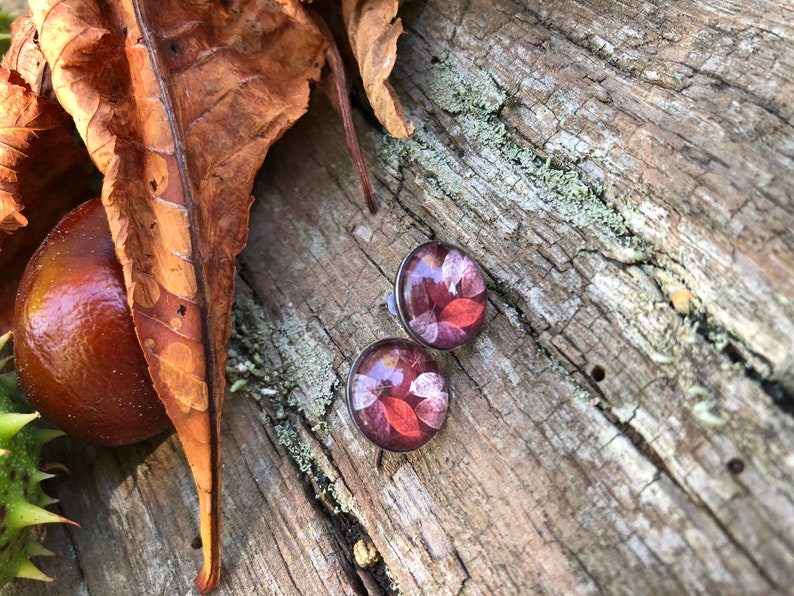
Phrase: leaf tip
x=208 y=578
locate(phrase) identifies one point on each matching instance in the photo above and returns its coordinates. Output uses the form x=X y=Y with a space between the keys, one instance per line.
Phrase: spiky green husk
x=22 y=501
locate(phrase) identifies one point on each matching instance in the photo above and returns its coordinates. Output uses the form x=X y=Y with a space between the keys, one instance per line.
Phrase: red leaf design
x=439 y=293
x=462 y=312
x=374 y=423
x=418 y=298
x=400 y=415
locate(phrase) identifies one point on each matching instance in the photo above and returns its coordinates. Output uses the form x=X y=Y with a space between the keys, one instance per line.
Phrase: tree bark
x=597 y=159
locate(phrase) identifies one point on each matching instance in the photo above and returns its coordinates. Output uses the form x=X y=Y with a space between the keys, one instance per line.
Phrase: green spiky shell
x=22 y=501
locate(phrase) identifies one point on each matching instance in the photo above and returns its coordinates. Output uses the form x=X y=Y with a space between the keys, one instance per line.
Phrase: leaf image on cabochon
x=425 y=326
x=437 y=333
x=365 y=392
x=462 y=312
x=400 y=416
x=452 y=270
x=438 y=292
x=461 y=273
x=374 y=423
x=432 y=411
x=450 y=336
x=418 y=297
x=428 y=385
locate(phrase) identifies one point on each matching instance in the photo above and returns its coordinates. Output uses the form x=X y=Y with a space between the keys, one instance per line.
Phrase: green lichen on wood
x=255 y=342
x=299 y=452
x=247 y=373
x=535 y=184
x=308 y=366
x=305 y=363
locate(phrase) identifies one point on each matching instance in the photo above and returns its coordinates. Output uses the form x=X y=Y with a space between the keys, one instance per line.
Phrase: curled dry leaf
x=19 y=104
x=177 y=103
x=43 y=173
x=25 y=57
x=373 y=29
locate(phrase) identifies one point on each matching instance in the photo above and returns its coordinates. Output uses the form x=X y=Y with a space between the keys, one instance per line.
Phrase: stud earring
x=439 y=295
x=396 y=393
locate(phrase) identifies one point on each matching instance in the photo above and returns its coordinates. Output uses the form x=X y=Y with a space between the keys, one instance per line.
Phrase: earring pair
x=396 y=393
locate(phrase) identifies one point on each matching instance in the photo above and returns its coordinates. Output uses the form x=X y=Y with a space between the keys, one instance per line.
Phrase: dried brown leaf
x=25 y=57
x=43 y=174
x=178 y=103
x=373 y=29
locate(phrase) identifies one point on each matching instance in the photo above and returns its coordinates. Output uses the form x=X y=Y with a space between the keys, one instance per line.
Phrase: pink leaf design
x=452 y=270
x=450 y=337
x=365 y=392
x=425 y=326
x=433 y=411
x=429 y=385
x=462 y=275
x=472 y=282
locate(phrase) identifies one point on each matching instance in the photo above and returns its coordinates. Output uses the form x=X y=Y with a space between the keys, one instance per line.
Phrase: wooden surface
x=595 y=158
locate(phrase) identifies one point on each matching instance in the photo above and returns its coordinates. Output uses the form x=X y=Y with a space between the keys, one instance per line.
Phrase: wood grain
x=594 y=158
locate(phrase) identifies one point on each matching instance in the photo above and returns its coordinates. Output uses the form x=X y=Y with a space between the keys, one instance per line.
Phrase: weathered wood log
x=597 y=159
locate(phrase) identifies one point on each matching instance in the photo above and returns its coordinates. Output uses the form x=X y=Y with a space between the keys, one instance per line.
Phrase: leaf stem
x=342 y=88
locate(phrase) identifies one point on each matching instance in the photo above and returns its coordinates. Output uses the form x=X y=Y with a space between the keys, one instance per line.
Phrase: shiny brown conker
x=75 y=348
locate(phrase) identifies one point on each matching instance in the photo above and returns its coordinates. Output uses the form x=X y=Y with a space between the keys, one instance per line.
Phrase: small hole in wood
x=598 y=373
x=196 y=542
x=735 y=466
x=181 y=310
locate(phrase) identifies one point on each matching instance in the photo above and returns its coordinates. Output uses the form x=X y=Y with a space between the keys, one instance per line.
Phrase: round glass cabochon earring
x=440 y=295
x=396 y=395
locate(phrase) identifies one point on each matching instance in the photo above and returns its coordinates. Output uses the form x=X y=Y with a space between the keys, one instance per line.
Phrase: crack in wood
x=625 y=428
x=292 y=427
x=734 y=350
x=724 y=342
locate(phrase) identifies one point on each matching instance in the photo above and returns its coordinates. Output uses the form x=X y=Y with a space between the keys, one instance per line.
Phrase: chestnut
x=76 y=352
